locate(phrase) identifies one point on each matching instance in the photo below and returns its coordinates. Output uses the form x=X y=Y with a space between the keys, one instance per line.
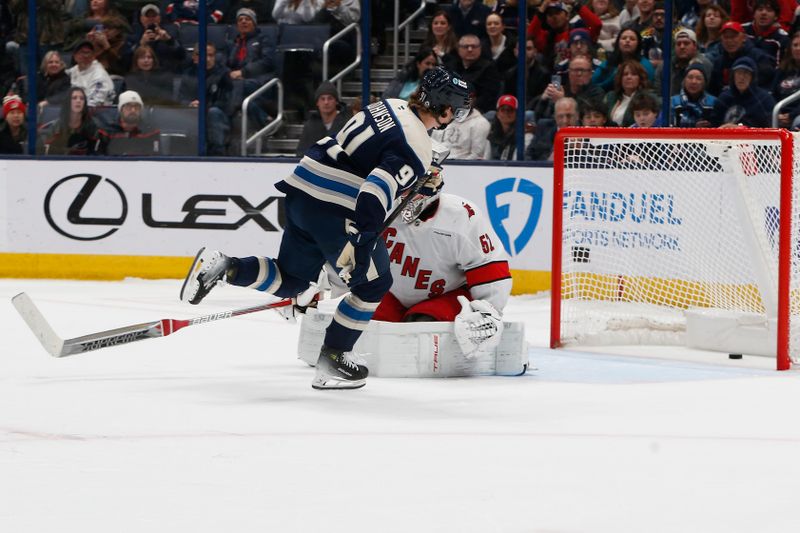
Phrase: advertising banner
x=172 y=208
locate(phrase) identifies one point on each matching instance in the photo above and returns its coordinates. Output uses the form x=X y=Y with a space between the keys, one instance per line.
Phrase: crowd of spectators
x=599 y=63
x=588 y=62
x=98 y=51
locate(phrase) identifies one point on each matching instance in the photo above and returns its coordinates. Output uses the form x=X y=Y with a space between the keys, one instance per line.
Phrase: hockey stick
x=58 y=347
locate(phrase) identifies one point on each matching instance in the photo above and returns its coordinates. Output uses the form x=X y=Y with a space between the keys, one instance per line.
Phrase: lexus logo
x=103 y=196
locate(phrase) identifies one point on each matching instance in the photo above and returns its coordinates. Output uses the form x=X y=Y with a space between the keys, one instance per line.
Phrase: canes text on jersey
x=410 y=266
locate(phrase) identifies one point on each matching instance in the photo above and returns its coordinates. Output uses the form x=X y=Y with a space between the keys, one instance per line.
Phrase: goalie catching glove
x=356 y=257
x=478 y=326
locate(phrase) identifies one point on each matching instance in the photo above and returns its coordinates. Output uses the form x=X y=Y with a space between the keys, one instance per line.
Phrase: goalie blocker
x=420 y=349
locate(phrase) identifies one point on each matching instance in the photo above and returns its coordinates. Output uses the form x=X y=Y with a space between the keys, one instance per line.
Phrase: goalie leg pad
x=419 y=349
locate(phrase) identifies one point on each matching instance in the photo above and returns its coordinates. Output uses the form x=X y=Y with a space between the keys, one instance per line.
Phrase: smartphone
x=151 y=27
x=555 y=80
x=99 y=27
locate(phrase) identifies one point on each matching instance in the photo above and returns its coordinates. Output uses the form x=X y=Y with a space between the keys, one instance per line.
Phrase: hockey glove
x=433 y=178
x=478 y=327
x=307 y=298
x=356 y=257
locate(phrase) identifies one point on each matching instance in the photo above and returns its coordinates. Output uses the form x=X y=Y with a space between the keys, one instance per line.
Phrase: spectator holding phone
x=107 y=30
x=578 y=85
x=161 y=38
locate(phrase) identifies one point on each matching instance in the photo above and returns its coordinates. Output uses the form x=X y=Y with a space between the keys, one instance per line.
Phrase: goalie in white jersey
x=445 y=267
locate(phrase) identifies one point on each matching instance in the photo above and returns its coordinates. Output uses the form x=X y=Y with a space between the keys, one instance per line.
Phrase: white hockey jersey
x=452 y=249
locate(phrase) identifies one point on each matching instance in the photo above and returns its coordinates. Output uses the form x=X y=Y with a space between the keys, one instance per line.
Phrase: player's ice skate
x=336 y=371
x=209 y=268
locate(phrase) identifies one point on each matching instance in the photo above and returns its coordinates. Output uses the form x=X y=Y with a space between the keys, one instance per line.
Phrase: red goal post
x=657 y=231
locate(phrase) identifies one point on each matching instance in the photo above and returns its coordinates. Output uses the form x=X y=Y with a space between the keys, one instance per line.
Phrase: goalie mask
x=426 y=197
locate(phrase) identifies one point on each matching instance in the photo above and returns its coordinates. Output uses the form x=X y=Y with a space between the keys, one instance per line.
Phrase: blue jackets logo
x=500 y=210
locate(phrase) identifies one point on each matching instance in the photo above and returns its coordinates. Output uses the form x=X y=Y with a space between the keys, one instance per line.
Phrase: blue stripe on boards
x=325 y=183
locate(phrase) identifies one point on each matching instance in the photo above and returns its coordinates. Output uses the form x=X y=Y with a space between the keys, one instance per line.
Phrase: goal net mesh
x=653 y=227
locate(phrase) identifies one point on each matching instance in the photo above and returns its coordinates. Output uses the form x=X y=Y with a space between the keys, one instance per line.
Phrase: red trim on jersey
x=390 y=309
x=442 y=308
x=488 y=273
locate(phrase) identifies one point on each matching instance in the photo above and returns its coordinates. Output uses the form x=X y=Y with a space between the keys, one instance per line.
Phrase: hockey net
x=668 y=236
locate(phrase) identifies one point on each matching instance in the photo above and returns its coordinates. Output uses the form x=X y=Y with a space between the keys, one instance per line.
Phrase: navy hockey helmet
x=439 y=89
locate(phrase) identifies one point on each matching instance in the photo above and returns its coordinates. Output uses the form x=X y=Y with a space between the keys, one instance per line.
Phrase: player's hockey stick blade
x=58 y=347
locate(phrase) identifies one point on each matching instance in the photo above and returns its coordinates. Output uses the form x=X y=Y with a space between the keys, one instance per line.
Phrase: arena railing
x=780 y=105
x=271 y=127
x=405 y=26
x=349 y=68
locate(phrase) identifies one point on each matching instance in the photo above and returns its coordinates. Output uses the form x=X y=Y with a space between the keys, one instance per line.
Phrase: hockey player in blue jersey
x=337 y=199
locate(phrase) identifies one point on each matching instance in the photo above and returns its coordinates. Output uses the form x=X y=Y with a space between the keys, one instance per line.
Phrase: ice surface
x=216 y=429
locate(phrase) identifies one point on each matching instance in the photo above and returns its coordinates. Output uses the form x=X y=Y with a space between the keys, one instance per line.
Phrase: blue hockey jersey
x=374 y=158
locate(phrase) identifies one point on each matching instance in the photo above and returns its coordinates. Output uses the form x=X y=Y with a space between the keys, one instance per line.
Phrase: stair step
x=375 y=74
x=291 y=116
x=293 y=130
x=412 y=47
x=385 y=61
x=281 y=145
x=354 y=87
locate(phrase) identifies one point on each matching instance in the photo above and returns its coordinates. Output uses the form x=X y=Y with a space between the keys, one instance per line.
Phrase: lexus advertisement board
x=172 y=208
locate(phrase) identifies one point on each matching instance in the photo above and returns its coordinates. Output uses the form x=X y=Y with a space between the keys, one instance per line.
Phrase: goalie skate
x=336 y=371
x=208 y=269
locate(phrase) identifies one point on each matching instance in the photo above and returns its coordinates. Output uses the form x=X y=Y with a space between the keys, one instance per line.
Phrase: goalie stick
x=58 y=347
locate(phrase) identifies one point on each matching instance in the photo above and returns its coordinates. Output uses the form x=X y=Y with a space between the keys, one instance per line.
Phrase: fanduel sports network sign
x=172 y=208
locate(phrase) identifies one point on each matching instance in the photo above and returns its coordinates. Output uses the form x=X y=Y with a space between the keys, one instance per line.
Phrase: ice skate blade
x=330 y=383
x=190 y=276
